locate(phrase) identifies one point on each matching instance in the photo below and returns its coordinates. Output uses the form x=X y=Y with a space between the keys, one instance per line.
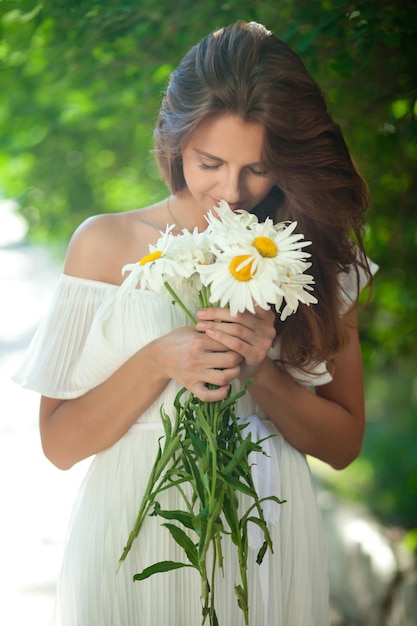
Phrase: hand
x=195 y=361
x=248 y=334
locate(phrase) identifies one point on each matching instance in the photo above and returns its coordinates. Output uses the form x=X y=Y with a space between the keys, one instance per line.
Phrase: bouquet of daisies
x=237 y=262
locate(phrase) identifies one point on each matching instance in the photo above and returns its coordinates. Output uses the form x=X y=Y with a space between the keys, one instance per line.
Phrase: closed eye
x=212 y=168
x=205 y=167
x=259 y=172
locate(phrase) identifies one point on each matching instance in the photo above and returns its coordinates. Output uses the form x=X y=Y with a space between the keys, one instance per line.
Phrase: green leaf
x=159 y=568
x=177 y=402
x=185 y=542
x=242 y=599
x=261 y=553
x=236 y=484
x=202 y=516
x=274 y=499
x=259 y=522
x=239 y=455
x=166 y=422
x=206 y=428
x=230 y=511
x=182 y=517
x=199 y=486
x=196 y=441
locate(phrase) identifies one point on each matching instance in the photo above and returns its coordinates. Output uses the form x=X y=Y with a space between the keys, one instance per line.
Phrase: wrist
x=156 y=362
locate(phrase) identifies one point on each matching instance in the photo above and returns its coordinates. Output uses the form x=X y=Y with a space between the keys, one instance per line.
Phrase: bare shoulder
x=103 y=244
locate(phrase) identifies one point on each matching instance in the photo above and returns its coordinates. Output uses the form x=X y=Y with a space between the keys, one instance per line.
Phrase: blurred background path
x=36 y=497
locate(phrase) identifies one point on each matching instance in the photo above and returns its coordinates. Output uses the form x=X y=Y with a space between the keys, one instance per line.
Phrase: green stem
x=205 y=593
x=181 y=304
x=210 y=430
x=206 y=449
x=256 y=504
x=172 y=443
x=204 y=297
x=147 y=500
x=213 y=569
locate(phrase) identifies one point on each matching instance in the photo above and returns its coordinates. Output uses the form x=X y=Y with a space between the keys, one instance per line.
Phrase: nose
x=231 y=186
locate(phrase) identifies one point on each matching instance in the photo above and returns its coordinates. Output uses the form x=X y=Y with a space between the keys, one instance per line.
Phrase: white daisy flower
x=236 y=262
x=279 y=243
x=227 y=227
x=276 y=243
x=155 y=268
x=236 y=283
x=297 y=288
x=192 y=249
x=231 y=219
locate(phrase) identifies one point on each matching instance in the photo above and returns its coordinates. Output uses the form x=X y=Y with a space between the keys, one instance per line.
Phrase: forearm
x=75 y=429
x=72 y=430
x=312 y=424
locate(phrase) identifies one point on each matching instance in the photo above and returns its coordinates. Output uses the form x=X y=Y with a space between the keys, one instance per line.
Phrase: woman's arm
x=328 y=424
x=72 y=430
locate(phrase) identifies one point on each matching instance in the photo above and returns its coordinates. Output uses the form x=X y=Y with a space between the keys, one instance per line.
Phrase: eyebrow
x=212 y=157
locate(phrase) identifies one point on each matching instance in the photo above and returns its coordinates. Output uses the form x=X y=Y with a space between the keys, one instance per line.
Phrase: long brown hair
x=247 y=71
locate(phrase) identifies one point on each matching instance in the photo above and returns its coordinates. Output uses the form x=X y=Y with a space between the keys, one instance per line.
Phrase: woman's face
x=224 y=160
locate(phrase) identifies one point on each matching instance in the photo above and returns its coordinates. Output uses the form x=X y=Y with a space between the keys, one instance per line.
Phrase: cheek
x=263 y=188
x=193 y=176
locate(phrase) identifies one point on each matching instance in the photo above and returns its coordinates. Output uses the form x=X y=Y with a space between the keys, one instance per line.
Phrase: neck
x=184 y=212
x=173 y=217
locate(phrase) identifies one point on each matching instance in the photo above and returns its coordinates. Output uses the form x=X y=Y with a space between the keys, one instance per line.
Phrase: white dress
x=91 y=330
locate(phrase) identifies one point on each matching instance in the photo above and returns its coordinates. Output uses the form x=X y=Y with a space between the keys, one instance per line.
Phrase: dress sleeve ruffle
x=50 y=365
x=352 y=283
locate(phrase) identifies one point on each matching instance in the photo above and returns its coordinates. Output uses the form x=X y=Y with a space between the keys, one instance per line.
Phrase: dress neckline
x=87 y=281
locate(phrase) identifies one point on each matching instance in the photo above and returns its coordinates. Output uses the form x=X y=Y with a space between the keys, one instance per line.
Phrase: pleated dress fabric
x=91 y=329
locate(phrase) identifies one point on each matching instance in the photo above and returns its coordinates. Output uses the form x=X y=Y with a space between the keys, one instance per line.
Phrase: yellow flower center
x=265 y=246
x=240 y=270
x=150 y=257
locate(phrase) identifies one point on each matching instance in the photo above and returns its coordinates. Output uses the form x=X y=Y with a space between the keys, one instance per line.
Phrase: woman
x=241 y=121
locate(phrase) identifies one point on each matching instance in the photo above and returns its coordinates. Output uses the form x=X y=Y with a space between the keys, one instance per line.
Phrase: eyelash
x=205 y=167
x=262 y=174
x=212 y=168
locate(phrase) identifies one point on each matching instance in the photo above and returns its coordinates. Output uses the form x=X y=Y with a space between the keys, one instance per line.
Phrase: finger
x=224 y=315
x=262 y=312
x=205 y=394
x=219 y=331
x=216 y=313
x=229 y=339
x=251 y=343
x=203 y=343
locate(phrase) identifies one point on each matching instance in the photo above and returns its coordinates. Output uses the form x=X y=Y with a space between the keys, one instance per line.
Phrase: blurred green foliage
x=81 y=84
